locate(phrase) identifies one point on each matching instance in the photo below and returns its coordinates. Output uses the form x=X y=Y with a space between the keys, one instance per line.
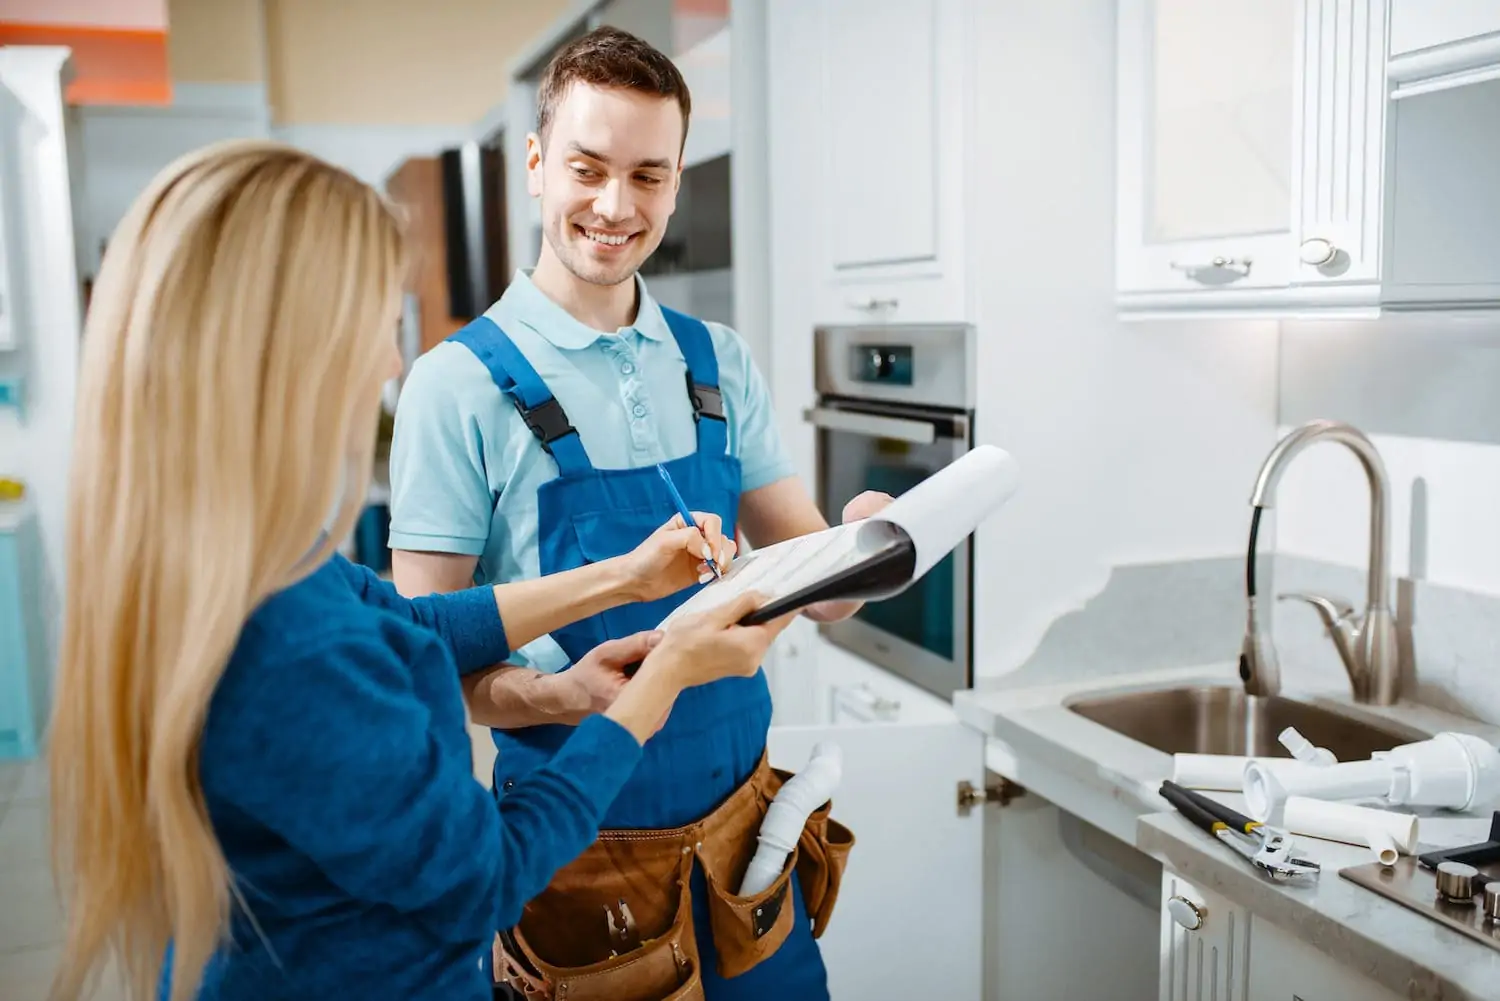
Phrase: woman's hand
x=694 y=651
x=672 y=557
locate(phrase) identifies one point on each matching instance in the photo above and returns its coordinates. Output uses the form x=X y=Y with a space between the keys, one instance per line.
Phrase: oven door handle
x=918 y=432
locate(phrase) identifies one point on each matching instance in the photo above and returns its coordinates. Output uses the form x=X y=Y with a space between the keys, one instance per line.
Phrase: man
x=527 y=444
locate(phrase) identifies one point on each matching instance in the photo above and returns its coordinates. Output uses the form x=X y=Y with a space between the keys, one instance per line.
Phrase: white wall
x=48 y=355
x=125 y=147
x=1137 y=443
x=1323 y=507
x=373 y=152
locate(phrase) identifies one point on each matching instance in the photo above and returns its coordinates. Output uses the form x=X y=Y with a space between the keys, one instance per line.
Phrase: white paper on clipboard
x=937 y=514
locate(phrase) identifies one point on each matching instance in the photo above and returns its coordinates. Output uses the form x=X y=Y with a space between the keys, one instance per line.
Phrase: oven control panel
x=882 y=364
x=909 y=364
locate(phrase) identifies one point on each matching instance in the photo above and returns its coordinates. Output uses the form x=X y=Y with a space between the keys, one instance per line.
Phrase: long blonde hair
x=240 y=330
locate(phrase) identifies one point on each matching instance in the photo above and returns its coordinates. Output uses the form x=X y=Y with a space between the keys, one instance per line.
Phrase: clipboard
x=873 y=559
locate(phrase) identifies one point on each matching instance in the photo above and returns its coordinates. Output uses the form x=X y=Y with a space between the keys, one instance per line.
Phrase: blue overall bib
x=716 y=733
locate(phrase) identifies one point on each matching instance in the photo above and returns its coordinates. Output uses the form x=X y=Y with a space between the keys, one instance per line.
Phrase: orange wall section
x=110 y=65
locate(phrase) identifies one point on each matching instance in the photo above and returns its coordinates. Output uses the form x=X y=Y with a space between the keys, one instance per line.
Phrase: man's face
x=608 y=179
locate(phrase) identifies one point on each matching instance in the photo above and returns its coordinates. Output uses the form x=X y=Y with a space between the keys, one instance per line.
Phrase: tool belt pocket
x=746 y=930
x=822 y=853
x=566 y=963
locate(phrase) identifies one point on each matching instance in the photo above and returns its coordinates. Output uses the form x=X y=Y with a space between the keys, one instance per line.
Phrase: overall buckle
x=547 y=421
x=707 y=400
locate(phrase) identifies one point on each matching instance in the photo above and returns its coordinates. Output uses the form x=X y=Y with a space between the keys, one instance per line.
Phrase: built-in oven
x=895 y=405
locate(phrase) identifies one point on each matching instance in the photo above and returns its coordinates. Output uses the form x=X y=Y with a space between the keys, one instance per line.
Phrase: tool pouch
x=748 y=929
x=663 y=968
x=562 y=948
x=822 y=854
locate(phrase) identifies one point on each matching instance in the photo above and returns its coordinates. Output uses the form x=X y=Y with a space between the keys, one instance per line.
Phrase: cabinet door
x=1423 y=24
x=914 y=883
x=1284 y=968
x=1205 y=144
x=1339 y=125
x=1205 y=944
x=873 y=100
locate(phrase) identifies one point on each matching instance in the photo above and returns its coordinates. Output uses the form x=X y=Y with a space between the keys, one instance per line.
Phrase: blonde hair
x=242 y=325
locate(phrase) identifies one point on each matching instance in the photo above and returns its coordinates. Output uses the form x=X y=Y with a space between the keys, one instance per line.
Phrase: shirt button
x=627 y=368
x=639 y=410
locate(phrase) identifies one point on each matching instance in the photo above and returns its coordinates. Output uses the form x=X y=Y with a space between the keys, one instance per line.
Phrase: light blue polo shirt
x=465 y=469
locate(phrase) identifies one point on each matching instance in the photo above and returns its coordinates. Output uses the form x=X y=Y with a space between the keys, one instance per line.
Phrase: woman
x=259 y=754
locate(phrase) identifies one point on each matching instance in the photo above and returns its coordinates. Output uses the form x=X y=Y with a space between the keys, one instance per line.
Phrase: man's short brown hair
x=608 y=57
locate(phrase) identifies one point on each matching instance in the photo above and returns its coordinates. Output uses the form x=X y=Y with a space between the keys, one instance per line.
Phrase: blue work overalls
x=716 y=734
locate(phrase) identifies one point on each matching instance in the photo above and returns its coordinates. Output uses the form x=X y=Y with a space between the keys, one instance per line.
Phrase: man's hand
x=596 y=680
x=507 y=697
x=867 y=504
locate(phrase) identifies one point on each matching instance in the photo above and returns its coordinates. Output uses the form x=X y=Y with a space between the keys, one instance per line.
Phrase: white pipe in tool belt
x=787 y=815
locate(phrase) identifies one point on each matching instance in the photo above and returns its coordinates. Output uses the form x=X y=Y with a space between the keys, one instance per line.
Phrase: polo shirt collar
x=532 y=307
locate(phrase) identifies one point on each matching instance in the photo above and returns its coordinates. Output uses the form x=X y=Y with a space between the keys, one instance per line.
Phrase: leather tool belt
x=617 y=923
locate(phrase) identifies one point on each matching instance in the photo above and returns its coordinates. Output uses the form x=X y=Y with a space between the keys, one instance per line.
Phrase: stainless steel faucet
x=1367 y=642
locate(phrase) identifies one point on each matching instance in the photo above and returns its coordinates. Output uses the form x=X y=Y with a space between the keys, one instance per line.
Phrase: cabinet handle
x=1185 y=912
x=873 y=304
x=865 y=704
x=1239 y=266
x=1316 y=252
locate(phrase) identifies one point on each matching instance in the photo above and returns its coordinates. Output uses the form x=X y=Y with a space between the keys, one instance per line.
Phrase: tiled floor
x=30 y=922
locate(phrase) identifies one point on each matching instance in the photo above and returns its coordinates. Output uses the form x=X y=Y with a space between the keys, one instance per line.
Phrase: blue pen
x=682 y=509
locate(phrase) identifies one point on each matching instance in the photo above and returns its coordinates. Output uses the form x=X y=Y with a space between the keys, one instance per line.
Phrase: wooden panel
x=417 y=188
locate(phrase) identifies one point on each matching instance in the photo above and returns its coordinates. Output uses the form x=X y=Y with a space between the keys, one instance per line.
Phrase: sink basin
x=1224 y=720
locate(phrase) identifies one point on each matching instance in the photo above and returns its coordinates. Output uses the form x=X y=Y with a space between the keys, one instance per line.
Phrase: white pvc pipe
x=1351 y=780
x=1382 y=846
x=1226 y=772
x=787 y=815
x=1352 y=825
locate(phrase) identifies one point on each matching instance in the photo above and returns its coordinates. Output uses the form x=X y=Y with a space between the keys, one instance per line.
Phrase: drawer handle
x=1238 y=267
x=873 y=304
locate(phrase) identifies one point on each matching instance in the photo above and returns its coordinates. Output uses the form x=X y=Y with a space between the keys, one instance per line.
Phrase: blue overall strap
x=697 y=346
x=515 y=377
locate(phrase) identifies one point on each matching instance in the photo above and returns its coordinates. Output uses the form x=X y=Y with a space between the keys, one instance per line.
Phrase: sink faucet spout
x=1366 y=643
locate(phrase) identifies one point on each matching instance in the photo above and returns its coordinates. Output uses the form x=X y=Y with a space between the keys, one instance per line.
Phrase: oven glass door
x=922 y=633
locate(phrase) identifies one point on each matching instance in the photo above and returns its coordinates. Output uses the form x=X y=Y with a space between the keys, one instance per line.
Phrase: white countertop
x=1111 y=781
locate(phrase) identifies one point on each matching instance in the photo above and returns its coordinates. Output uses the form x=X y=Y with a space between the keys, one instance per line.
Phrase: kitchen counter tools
x=1266 y=848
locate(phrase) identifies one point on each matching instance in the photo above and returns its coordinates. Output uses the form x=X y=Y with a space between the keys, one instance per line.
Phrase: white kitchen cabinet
x=12 y=225
x=1438 y=45
x=1205 y=944
x=914 y=883
x=1267 y=168
x=1205 y=145
x=1213 y=948
x=1338 y=128
x=1283 y=967
x=874 y=103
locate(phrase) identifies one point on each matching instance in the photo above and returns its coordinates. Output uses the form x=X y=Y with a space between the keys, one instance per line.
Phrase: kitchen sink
x=1224 y=720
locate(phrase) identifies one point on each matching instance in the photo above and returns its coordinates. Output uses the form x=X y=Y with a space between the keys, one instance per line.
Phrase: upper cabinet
x=1265 y=170
x=1439 y=44
x=1205 y=144
x=873 y=101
